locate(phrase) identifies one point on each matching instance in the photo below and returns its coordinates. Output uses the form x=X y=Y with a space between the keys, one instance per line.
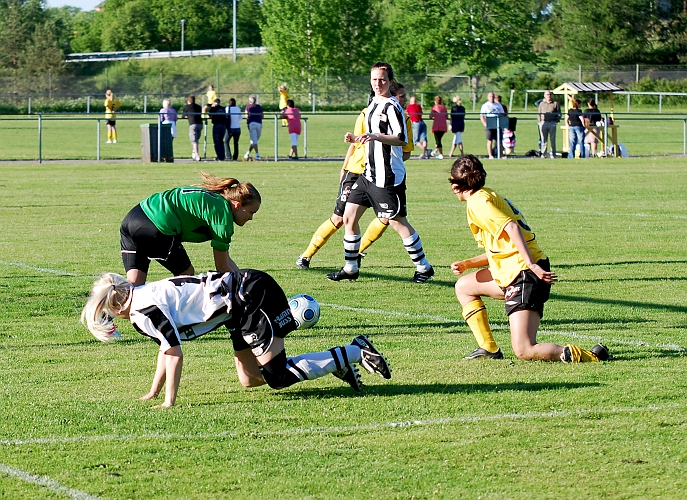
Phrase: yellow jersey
x=111 y=106
x=283 y=97
x=356 y=163
x=488 y=213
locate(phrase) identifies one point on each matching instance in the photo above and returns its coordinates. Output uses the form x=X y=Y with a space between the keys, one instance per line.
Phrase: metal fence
x=43 y=137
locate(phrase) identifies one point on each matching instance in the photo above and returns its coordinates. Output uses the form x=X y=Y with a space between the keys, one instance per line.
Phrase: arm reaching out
x=461 y=266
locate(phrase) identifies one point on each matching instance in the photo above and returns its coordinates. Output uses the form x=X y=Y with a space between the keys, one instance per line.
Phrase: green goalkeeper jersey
x=196 y=214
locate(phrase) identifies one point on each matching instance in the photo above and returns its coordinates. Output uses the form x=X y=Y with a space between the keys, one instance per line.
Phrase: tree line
x=309 y=38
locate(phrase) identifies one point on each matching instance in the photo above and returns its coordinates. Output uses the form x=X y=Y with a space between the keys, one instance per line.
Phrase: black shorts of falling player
x=527 y=291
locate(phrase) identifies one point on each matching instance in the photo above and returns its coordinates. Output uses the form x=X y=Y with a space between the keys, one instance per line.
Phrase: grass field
x=71 y=423
x=75 y=137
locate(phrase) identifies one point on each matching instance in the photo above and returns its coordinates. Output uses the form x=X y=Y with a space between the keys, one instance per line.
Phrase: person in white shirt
x=233 y=129
x=489 y=109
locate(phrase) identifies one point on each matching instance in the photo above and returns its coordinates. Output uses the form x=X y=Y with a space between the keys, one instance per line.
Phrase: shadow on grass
x=623 y=303
x=620 y=263
x=392 y=389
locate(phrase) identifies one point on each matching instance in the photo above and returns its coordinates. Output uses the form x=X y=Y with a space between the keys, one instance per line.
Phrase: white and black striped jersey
x=181 y=308
x=384 y=166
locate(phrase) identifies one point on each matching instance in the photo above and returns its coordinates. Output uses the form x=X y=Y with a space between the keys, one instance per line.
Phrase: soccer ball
x=305 y=310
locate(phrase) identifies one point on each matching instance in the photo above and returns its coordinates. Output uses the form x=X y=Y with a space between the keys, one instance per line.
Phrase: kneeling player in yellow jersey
x=517 y=271
x=353 y=166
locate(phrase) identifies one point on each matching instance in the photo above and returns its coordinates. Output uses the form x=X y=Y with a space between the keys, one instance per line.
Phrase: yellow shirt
x=283 y=97
x=111 y=106
x=488 y=213
x=410 y=145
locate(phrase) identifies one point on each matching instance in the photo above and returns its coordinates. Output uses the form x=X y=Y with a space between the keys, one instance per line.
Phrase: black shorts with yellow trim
x=260 y=312
x=528 y=292
x=347 y=182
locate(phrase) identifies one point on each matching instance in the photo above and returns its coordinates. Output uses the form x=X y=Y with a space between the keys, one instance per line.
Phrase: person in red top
x=439 y=114
x=293 y=116
x=414 y=111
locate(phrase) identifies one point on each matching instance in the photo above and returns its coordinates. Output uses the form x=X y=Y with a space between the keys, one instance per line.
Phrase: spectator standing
x=457 y=125
x=548 y=118
x=168 y=116
x=254 y=116
x=575 y=129
x=218 y=116
x=111 y=107
x=491 y=108
x=293 y=116
x=414 y=111
x=233 y=129
x=439 y=114
x=283 y=99
x=192 y=111
x=592 y=118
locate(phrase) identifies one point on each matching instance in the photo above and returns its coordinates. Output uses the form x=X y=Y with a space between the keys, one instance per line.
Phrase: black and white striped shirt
x=181 y=308
x=385 y=165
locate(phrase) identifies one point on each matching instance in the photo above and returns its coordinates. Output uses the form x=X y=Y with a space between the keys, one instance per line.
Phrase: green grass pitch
x=71 y=423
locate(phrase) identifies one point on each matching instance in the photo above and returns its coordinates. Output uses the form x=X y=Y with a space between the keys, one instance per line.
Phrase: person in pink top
x=293 y=116
x=414 y=112
x=439 y=127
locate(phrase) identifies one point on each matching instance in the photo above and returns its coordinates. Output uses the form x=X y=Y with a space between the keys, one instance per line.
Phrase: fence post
x=145 y=104
x=579 y=73
x=159 y=137
x=527 y=94
x=97 y=139
x=684 y=136
x=510 y=102
x=40 y=138
x=637 y=75
x=276 y=137
x=474 y=101
x=305 y=138
x=314 y=100
x=88 y=105
x=606 y=135
x=628 y=102
x=660 y=103
x=29 y=104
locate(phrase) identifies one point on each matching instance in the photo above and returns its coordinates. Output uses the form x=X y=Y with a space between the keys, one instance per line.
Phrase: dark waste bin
x=149 y=143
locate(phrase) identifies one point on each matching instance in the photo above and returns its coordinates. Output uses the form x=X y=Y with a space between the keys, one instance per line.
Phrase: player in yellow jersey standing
x=353 y=166
x=111 y=107
x=283 y=99
x=517 y=271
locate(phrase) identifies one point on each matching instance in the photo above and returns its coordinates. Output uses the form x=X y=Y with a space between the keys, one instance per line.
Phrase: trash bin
x=149 y=143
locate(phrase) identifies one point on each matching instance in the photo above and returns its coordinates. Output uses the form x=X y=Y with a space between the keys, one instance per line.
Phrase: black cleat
x=342 y=275
x=351 y=376
x=303 y=262
x=421 y=277
x=483 y=353
x=371 y=359
x=601 y=352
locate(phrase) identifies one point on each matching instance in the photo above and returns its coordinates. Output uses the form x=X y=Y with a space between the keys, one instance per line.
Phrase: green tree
x=308 y=36
x=249 y=18
x=42 y=52
x=129 y=27
x=207 y=26
x=18 y=21
x=86 y=32
x=479 y=34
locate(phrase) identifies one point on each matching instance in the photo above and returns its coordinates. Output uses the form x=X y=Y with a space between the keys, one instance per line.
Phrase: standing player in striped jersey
x=249 y=303
x=353 y=166
x=382 y=185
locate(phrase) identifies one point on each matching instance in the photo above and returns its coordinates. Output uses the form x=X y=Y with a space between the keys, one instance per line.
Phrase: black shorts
x=260 y=312
x=387 y=202
x=344 y=191
x=112 y=123
x=142 y=242
x=491 y=134
x=528 y=292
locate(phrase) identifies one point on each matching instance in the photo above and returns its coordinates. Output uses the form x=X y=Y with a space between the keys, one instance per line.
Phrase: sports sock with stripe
x=475 y=314
x=413 y=245
x=351 y=250
x=323 y=233
x=373 y=232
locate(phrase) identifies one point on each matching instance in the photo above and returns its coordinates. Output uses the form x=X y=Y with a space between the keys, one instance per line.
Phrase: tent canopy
x=589 y=87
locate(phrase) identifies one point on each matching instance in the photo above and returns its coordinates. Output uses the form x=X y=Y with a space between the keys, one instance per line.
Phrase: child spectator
x=293 y=117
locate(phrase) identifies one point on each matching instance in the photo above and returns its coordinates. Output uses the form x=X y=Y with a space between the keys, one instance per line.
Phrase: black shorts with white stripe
x=387 y=202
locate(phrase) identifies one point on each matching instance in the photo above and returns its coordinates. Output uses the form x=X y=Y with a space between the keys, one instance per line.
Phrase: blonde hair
x=109 y=94
x=457 y=100
x=230 y=189
x=111 y=294
x=166 y=103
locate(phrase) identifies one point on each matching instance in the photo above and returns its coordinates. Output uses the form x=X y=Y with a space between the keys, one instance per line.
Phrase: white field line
x=638 y=343
x=39 y=269
x=497 y=326
x=46 y=482
x=353 y=428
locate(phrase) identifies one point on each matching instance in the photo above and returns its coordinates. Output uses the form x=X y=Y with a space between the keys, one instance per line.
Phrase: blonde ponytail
x=111 y=294
x=231 y=189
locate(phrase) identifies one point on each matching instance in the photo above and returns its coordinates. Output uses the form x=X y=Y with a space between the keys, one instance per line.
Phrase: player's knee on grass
x=276 y=374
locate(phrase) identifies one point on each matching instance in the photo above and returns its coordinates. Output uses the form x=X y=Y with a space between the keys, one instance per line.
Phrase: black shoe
x=303 y=262
x=371 y=359
x=421 y=277
x=351 y=376
x=483 y=353
x=601 y=352
x=342 y=275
